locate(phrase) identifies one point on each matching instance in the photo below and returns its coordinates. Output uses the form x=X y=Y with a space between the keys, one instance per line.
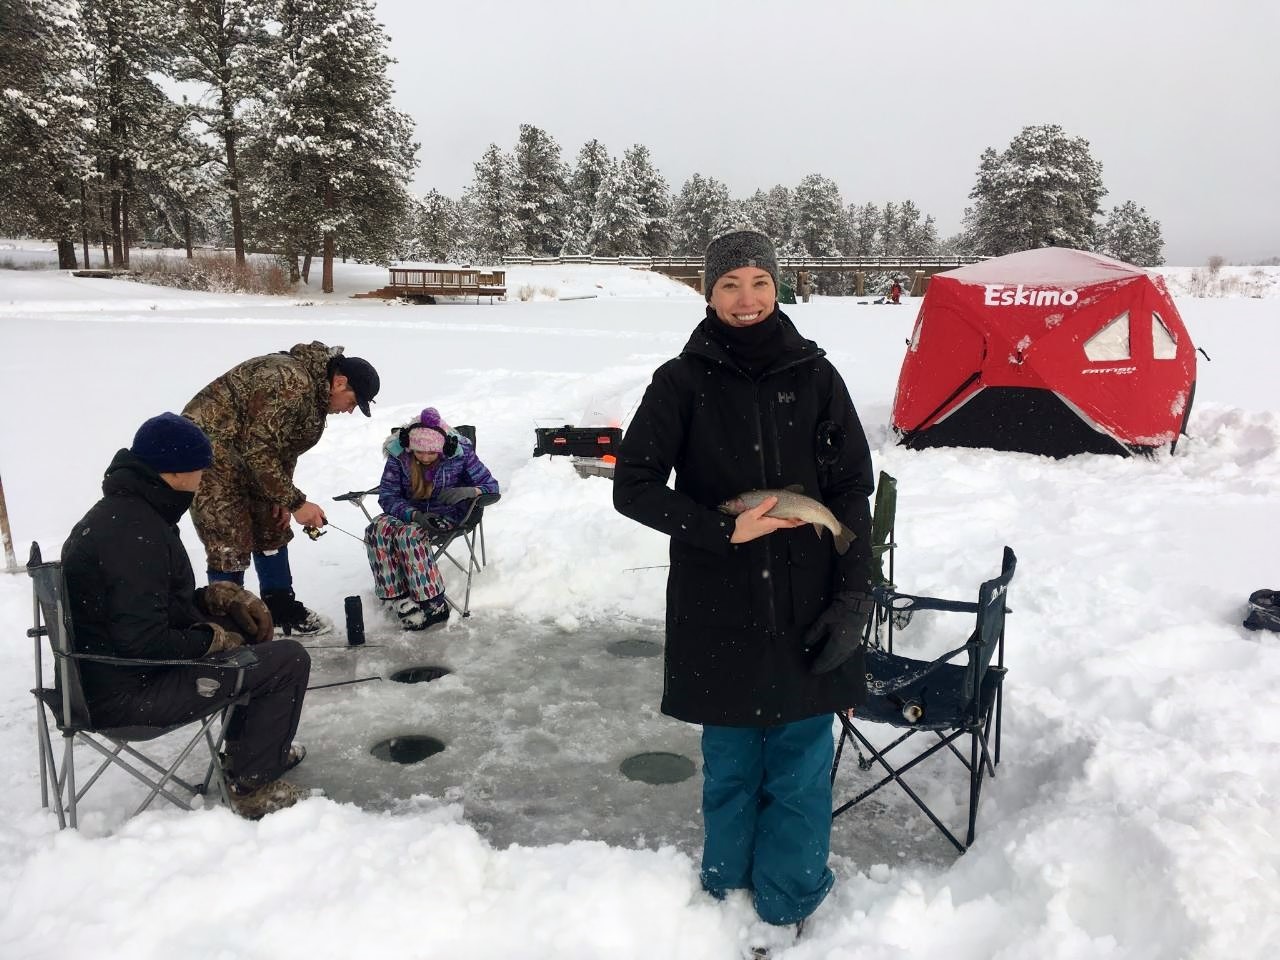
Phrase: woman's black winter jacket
x=736 y=613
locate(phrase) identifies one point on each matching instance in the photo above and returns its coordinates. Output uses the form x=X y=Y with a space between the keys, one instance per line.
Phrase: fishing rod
x=341 y=683
x=315 y=533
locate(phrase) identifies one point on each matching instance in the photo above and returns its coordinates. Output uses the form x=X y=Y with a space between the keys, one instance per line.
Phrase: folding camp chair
x=65 y=702
x=946 y=699
x=469 y=532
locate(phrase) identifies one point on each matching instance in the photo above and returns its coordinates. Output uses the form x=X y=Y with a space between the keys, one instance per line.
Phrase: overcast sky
x=1179 y=100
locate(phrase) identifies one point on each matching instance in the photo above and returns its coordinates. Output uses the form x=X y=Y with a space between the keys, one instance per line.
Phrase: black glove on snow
x=839 y=630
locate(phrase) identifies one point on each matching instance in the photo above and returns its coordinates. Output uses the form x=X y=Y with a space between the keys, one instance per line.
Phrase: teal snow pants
x=766 y=812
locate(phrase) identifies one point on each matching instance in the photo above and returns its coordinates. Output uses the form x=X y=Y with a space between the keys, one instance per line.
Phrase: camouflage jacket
x=261 y=415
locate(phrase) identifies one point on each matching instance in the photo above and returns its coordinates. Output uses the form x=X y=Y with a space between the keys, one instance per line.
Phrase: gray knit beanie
x=741 y=247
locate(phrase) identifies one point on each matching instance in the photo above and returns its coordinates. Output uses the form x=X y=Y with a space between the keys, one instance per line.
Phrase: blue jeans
x=766 y=811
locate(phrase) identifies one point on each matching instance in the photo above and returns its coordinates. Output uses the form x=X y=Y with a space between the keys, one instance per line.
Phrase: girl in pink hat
x=429 y=483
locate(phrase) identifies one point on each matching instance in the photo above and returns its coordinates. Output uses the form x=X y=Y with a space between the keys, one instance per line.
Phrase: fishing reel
x=315 y=533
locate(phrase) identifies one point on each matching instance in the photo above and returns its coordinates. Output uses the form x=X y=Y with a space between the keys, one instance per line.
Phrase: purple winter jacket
x=463 y=469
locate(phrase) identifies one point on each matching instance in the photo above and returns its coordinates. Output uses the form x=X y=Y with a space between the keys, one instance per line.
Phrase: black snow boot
x=291 y=617
x=1264 y=610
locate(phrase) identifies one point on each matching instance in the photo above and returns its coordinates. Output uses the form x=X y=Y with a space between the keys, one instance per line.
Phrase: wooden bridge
x=424 y=285
x=689 y=269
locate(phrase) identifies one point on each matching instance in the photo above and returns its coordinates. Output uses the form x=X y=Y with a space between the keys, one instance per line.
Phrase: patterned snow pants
x=400 y=558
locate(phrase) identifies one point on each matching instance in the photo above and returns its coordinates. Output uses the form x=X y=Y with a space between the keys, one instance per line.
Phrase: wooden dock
x=420 y=285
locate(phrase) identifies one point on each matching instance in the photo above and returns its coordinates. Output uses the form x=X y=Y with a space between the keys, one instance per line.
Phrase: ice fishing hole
x=633 y=647
x=406 y=749
x=657 y=768
x=420 y=674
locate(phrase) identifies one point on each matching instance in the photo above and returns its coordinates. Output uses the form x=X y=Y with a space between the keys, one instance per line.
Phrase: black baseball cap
x=361 y=377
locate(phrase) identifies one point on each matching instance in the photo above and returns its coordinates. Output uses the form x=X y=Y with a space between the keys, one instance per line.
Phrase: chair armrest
x=355 y=495
x=891 y=599
x=236 y=659
x=488 y=499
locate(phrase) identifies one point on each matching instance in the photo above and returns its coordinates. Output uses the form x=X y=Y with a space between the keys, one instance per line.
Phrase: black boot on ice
x=1264 y=610
x=291 y=617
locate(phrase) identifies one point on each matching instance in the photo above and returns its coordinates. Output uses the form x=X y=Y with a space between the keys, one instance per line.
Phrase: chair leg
x=171 y=772
x=999 y=713
x=114 y=757
x=69 y=773
x=49 y=773
x=895 y=776
x=835 y=764
x=976 y=769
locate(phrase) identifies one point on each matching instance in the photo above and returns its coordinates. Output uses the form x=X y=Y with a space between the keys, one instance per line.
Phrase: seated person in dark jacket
x=132 y=594
x=764 y=619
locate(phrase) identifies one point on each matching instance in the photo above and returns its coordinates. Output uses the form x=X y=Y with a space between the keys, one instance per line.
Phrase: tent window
x=1111 y=342
x=1164 y=345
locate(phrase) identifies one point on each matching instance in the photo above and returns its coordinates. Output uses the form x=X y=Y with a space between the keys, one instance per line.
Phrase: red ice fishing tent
x=1051 y=351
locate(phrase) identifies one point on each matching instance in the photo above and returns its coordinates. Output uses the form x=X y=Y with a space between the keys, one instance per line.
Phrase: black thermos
x=355 y=621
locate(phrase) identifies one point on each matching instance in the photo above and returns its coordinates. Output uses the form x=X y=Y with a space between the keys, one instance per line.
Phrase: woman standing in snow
x=764 y=621
x=431 y=476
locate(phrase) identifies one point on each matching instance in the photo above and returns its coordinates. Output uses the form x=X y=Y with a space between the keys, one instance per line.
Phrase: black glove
x=457 y=495
x=429 y=521
x=839 y=630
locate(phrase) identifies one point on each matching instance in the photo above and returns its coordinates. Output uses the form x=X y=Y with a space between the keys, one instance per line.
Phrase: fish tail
x=844 y=537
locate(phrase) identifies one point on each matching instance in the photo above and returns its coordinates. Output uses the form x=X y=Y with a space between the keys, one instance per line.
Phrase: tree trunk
x=106 y=239
x=306 y=268
x=186 y=233
x=117 y=251
x=290 y=257
x=326 y=281
x=124 y=222
x=84 y=222
x=233 y=175
x=66 y=253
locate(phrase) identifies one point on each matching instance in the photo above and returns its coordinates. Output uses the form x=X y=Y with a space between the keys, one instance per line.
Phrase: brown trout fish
x=792 y=505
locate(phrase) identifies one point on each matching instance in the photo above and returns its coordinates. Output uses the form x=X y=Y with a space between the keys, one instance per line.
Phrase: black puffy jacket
x=129 y=580
x=736 y=613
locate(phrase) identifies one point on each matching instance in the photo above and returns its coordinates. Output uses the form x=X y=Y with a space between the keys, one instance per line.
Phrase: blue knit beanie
x=172 y=444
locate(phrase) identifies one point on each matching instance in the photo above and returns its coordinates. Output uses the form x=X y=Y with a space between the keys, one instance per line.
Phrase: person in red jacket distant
x=895 y=292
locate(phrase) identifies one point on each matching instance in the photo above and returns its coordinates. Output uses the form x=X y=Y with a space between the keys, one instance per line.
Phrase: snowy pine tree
x=819 y=213
x=178 y=200
x=222 y=46
x=128 y=40
x=887 y=242
x=754 y=210
x=1129 y=234
x=45 y=120
x=336 y=154
x=490 y=207
x=438 y=231
x=617 y=222
x=589 y=171
x=1043 y=190
x=540 y=192
x=915 y=235
x=864 y=227
x=701 y=210
x=652 y=197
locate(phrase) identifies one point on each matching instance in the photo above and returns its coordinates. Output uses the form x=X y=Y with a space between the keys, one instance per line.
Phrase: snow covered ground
x=1133 y=815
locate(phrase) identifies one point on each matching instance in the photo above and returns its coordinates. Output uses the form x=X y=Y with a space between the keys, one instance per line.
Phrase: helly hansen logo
x=786 y=397
x=998 y=295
